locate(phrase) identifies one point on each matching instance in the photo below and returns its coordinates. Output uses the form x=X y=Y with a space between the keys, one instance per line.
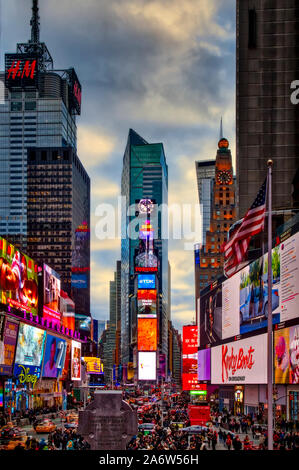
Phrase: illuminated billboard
x=54 y=356
x=190 y=382
x=240 y=362
x=190 y=339
x=147 y=366
x=18 y=279
x=8 y=340
x=94 y=365
x=67 y=361
x=76 y=361
x=147 y=334
x=30 y=349
x=146 y=281
x=146 y=301
x=204 y=364
x=286 y=355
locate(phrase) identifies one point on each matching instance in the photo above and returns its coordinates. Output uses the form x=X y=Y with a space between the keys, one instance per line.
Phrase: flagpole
x=270 y=345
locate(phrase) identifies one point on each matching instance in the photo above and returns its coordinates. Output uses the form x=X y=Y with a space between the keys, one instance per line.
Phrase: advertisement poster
x=286 y=355
x=147 y=334
x=204 y=364
x=18 y=279
x=94 y=365
x=76 y=361
x=67 y=361
x=54 y=356
x=289 y=285
x=8 y=346
x=190 y=382
x=211 y=316
x=146 y=301
x=147 y=368
x=240 y=362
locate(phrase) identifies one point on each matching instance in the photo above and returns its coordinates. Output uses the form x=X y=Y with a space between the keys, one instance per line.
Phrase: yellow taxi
x=46 y=425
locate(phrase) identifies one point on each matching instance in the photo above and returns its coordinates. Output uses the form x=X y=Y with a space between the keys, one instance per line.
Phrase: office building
x=267 y=121
x=144 y=176
x=205 y=174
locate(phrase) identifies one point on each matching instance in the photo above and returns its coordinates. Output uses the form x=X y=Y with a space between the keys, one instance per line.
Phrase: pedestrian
x=214 y=440
x=228 y=442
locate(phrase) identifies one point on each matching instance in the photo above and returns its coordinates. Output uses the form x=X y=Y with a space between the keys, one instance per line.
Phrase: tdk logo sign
x=146 y=281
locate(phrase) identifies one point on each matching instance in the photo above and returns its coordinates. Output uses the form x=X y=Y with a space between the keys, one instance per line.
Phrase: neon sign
x=16 y=71
x=25 y=376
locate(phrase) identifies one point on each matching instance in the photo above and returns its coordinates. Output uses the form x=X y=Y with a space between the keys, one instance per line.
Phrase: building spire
x=34 y=22
x=221 y=130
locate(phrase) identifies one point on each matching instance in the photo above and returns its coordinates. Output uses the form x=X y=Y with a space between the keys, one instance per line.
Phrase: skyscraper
x=39 y=110
x=205 y=173
x=266 y=120
x=144 y=175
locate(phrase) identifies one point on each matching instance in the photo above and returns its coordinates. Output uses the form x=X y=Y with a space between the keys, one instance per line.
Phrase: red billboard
x=199 y=415
x=190 y=382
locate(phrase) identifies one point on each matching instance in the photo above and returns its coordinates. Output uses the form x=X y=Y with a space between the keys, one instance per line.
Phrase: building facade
x=266 y=119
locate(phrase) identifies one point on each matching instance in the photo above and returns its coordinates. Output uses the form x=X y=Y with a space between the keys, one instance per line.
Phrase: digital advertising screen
x=76 y=361
x=240 y=362
x=67 y=361
x=146 y=281
x=190 y=382
x=30 y=349
x=204 y=364
x=54 y=356
x=147 y=301
x=211 y=316
x=190 y=339
x=21 y=70
x=286 y=355
x=18 y=279
x=147 y=334
x=8 y=341
x=94 y=365
x=52 y=286
x=147 y=366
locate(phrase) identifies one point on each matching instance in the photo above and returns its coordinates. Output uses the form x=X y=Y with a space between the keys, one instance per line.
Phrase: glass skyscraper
x=144 y=175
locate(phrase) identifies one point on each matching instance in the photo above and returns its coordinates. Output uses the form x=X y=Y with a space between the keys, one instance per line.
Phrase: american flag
x=253 y=223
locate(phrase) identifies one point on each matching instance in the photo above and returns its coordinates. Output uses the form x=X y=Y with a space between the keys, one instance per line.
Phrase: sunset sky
x=165 y=68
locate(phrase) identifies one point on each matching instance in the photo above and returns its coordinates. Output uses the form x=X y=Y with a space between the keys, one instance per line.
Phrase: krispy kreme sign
x=243 y=361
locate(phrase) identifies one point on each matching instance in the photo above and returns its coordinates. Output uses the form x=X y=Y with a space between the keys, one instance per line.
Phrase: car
x=45 y=426
x=71 y=421
x=18 y=439
x=257 y=310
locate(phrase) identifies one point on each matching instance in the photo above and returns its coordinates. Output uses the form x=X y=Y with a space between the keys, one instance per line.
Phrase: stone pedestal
x=108 y=422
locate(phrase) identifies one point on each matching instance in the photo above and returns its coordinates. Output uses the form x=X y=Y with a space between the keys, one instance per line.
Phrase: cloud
x=93 y=147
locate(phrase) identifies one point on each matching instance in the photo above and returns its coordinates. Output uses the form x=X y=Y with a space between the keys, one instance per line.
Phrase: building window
x=251 y=28
x=16 y=106
x=30 y=105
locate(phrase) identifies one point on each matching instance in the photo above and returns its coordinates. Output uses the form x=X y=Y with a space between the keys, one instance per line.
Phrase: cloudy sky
x=165 y=68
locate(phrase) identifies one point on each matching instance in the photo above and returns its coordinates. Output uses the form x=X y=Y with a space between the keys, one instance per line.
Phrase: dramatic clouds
x=165 y=68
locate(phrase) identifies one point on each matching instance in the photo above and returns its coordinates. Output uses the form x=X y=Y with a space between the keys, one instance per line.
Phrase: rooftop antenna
x=221 y=130
x=34 y=23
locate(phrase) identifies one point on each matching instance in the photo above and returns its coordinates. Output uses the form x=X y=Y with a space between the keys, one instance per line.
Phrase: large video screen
x=147 y=301
x=18 y=278
x=286 y=355
x=190 y=339
x=240 y=362
x=94 y=365
x=54 y=356
x=147 y=366
x=30 y=349
x=76 y=361
x=204 y=364
x=147 y=334
x=52 y=286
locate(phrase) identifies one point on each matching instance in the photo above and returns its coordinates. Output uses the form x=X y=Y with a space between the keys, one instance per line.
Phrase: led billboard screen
x=147 y=334
x=190 y=339
x=204 y=364
x=286 y=355
x=76 y=361
x=21 y=70
x=30 y=349
x=18 y=279
x=54 y=356
x=146 y=281
x=190 y=382
x=146 y=301
x=147 y=368
x=211 y=316
x=240 y=362
x=52 y=286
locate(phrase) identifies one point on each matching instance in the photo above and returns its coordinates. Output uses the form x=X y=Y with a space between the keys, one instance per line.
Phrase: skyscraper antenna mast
x=34 y=22
x=221 y=130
